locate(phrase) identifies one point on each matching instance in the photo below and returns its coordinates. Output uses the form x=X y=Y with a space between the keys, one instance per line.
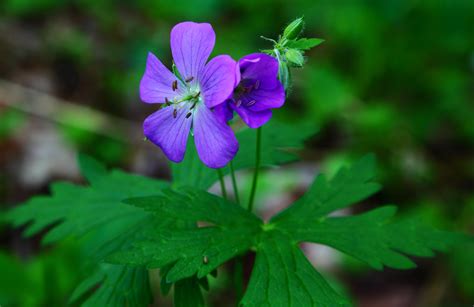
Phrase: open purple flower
x=189 y=97
x=258 y=92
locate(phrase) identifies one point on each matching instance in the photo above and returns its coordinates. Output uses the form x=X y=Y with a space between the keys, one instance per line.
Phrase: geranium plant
x=131 y=226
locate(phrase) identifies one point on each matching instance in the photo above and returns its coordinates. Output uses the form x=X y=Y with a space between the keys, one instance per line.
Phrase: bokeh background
x=394 y=77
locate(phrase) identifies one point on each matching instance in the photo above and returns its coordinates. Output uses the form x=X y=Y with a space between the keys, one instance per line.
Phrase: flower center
x=245 y=87
x=190 y=97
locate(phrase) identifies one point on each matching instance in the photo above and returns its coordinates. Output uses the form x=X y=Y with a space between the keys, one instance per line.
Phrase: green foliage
x=304 y=43
x=294 y=57
x=279 y=141
x=201 y=249
x=294 y=29
x=188 y=233
x=289 y=50
x=188 y=293
x=45 y=280
x=119 y=286
x=10 y=121
x=95 y=215
x=26 y=8
x=282 y=276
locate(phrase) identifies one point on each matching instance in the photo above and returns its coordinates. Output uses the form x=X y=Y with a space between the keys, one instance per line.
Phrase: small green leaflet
x=304 y=43
x=282 y=275
x=279 y=141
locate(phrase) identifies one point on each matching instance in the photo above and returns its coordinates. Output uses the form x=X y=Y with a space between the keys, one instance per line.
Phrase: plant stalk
x=221 y=180
x=256 y=171
x=234 y=183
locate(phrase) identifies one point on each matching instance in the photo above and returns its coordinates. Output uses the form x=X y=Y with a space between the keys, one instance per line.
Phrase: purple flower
x=258 y=92
x=190 y=97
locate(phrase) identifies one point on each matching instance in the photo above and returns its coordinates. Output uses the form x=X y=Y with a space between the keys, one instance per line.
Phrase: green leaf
x=294 y=57
x=282 y=276
x=325 y=196
x=294 y=29
x=91 y=169
x=279 y=143
x=78 y=210
x=230 y=230
x=370 y=237
x=118 y=286
x=304 y=43
x=187 y=293
x=373 y=238
x=188 y=233
x=96 y=216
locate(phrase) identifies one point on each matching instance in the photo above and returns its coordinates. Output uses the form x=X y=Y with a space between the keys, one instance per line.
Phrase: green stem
x=234 y=183
x=221 y=180
x=239 y=263
x=257 y=167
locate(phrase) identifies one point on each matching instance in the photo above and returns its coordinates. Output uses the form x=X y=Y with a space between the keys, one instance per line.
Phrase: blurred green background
x=393 y=77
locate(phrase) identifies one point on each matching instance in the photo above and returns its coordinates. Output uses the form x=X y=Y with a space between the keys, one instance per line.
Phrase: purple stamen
x=174 y=85
x=189 y=79
x=251 y=103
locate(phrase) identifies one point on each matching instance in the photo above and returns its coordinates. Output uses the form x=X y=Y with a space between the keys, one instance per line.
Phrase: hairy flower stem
x=257 y=167
x=221 y=180
x=234 y=183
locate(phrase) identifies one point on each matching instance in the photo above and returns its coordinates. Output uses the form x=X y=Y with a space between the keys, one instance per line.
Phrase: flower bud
x=294 y=29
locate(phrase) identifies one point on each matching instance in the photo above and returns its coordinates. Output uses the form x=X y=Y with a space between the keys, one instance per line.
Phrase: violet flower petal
x=224 y=111
x=215 y=141
x=217 y=80
x=156 y=83
x=169 y=133
x=191 y=45
x=265 y=98
x=253 y=119
x=261 y=67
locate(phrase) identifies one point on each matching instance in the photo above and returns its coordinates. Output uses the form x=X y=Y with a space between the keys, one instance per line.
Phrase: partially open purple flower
x=190 y=97
x=258 y=92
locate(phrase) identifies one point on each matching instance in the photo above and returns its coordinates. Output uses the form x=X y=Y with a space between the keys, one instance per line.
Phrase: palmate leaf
x=282 y=275
x=278 y=142
x=230 y=231
x=95 y=215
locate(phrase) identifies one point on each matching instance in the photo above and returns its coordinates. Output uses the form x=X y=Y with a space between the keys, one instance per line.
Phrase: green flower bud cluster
x=289 y=50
